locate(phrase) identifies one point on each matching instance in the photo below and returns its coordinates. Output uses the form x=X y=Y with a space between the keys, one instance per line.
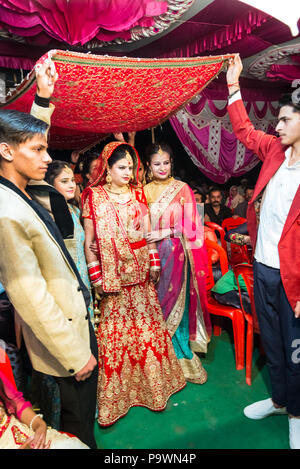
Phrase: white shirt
x=275 y=206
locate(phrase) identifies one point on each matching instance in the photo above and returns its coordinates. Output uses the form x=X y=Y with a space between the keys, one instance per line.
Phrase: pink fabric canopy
x=75 y=21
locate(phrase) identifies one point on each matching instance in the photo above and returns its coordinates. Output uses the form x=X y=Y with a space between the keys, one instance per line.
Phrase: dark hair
x=54 y=170
x=199 y=191
x=119 y=153
x=152 y=150
x=214 y=189
x=292 y=100
x=155 y=148
x=16 y=127
x=85 y=166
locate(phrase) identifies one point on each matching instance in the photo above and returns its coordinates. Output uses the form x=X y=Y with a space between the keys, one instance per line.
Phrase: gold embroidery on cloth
x=138 y=365
x=115 y=230
x=175 y=316
x=193 y=370
x=162 y=202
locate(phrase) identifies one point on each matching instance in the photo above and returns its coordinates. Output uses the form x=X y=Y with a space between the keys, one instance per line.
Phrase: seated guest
x=200 y=199
x=22 y=428
x=241 y=209
x=215 y=211
x=199 y=195
x=234 y=198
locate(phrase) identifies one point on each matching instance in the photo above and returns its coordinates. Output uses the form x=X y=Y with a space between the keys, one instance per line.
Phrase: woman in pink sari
x=178 y=233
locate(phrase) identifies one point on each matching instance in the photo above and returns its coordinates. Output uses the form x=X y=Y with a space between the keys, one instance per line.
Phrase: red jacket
x=270 y=150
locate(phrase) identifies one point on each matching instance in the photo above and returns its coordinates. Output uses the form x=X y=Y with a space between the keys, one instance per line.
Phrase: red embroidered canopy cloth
x=98 y=95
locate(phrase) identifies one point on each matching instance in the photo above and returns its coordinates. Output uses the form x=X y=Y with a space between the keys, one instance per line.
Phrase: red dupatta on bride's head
x=100 y=172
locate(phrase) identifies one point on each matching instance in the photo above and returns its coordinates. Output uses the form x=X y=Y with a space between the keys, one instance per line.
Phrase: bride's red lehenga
x=137 y=362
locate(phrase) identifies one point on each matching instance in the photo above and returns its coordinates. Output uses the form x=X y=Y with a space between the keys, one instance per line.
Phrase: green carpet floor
x=208 y=416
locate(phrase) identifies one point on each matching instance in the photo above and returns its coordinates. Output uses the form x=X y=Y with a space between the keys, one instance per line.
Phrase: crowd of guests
x=103 y=272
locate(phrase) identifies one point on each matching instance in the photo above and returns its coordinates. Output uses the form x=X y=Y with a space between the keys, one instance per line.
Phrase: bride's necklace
x=117 y=190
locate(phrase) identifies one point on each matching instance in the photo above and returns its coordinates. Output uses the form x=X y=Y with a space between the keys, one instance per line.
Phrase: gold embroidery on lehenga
x=138 y=365
x=137 y=362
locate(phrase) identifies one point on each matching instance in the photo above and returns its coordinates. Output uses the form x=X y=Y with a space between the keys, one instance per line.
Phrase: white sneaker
x=262 y=409
x=294 y=425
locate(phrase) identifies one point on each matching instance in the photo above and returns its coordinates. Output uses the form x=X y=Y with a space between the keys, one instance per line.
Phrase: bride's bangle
x=154 y=260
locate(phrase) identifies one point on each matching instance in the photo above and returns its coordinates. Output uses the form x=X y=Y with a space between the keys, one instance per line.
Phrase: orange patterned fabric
x=96 y=95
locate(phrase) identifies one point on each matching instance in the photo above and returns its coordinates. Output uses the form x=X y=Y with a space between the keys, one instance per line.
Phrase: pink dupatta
x=176 y=207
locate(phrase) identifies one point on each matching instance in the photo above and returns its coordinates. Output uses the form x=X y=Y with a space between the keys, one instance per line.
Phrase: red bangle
x=154 y=256
x=233 y=84
x=93 y=270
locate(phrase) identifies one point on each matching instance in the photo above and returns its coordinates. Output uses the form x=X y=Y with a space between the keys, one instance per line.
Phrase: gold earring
x=150 y=174
x=108 y=179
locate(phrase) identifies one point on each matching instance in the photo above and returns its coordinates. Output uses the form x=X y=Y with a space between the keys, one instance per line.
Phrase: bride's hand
x=94 y=248
x=158 y=235
x=99 y=290
x=154 y=276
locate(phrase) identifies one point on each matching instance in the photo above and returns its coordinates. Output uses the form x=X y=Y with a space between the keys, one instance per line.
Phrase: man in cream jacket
x=37 y=271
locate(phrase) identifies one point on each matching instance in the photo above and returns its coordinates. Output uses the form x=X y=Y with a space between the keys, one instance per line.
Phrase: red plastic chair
x=221 y=232
x=217 y=309
x=246 y=272
x=231 y=223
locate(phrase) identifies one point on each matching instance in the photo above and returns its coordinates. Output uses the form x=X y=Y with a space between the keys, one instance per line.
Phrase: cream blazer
x=42 y=286
x=43 y=289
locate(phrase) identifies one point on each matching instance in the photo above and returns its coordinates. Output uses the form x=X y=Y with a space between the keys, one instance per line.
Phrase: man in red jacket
x=273 y=220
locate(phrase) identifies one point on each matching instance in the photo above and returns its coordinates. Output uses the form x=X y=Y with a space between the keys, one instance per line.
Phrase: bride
x=137 y=362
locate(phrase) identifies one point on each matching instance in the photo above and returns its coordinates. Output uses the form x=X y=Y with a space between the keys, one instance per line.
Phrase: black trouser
x=78 y=402
x=280 y=334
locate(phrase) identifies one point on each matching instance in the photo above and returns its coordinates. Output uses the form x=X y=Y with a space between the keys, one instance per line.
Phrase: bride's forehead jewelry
x=128 y=157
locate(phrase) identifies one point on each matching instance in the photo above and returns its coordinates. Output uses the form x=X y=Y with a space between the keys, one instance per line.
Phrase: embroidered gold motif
x=19 y=436
x=138 y=365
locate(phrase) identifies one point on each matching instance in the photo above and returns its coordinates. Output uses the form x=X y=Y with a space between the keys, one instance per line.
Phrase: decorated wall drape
x=205 y=131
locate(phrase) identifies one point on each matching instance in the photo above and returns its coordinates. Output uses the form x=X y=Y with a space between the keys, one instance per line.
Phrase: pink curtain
x=77 y=22
x=204 y=129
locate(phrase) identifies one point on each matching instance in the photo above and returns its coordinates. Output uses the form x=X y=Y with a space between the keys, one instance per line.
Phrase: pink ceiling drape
x=77 y=22
x=284 y=72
